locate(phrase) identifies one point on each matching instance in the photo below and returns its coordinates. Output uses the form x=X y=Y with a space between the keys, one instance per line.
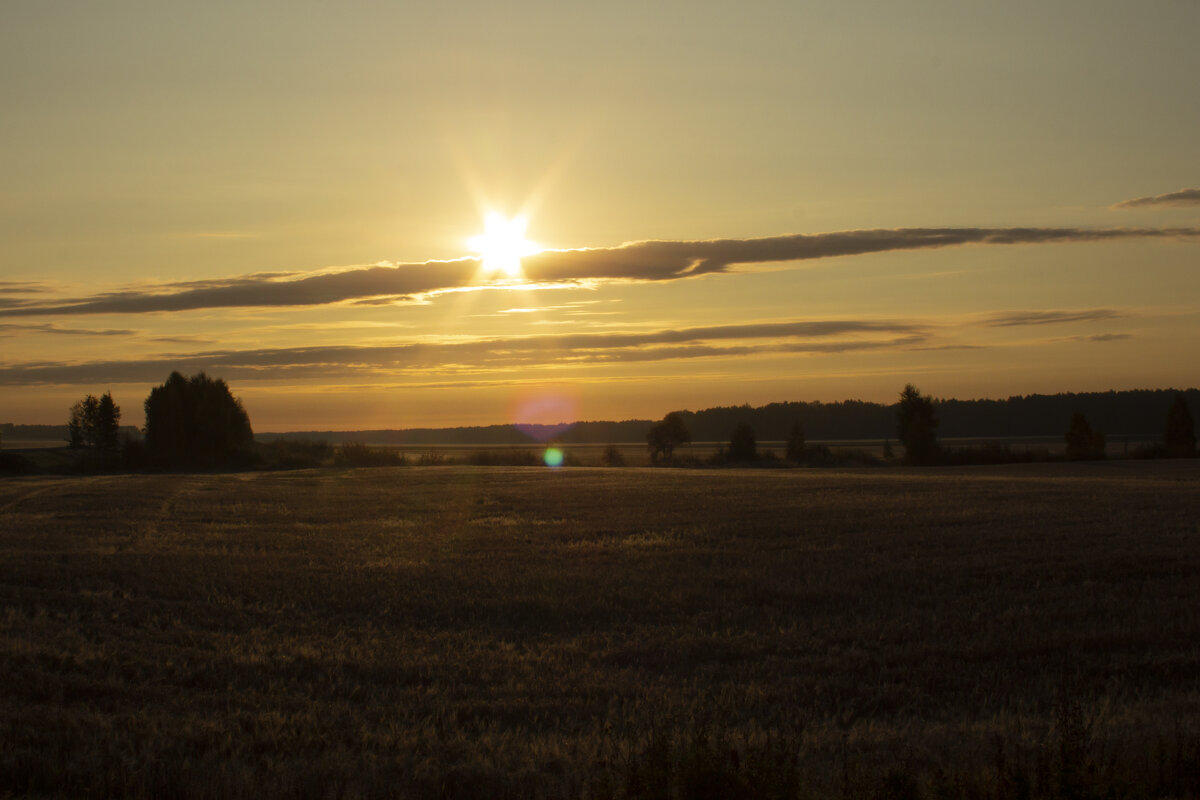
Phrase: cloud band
x=636 y=261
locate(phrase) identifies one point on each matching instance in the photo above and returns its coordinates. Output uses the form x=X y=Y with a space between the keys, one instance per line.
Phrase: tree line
x=1136 y=412
x=916 y=422
x=197 y=423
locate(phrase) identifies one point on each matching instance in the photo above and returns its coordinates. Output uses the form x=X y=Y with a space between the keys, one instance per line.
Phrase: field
x=1031 y=630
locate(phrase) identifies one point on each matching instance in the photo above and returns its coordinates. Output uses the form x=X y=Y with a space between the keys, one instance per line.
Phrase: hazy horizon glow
x=730 y=204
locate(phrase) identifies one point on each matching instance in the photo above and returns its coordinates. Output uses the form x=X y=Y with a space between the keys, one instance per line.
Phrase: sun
x=502 y=244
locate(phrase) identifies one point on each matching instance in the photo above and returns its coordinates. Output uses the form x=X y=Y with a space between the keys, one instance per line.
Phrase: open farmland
x=490 y=632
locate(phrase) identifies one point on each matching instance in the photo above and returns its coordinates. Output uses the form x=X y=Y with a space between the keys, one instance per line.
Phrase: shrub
x=992 y=453
x=1082 y=442
x=360 y=454
x=432 y=458
x=612 y=456
x=796 y=443
x=297 y=453
x=743 y=446
x=818 y=455
x=504 y=458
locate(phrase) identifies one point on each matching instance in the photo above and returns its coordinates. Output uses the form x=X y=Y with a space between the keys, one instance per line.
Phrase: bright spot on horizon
x=553 y=457
x=502 y=244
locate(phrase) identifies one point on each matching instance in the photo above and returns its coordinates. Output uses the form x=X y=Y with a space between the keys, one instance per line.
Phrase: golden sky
x=735 y=202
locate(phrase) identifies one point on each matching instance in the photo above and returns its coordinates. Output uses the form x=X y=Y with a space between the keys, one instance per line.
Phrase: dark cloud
x=1110 y=337
x=1184 y=197
x=824 y=336
x=1014 y=318
x=637 y=261
x=331 y=287
x=11 y=329
x=22 y=287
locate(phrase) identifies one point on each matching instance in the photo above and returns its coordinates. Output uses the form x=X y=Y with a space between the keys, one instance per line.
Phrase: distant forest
x=1140 y=412
x=50 y=433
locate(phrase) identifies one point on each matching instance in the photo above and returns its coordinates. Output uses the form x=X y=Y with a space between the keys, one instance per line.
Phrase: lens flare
x=543 y=415
x=553 y=457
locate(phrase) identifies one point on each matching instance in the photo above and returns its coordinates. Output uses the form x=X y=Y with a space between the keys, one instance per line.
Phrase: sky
x=725 y=202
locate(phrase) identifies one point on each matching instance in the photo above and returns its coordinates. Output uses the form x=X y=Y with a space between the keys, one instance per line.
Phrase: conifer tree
x=916 y=427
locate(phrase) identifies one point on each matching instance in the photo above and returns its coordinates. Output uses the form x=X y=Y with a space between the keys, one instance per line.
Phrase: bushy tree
x=796 y=444
x=612 y=456
x=1180 y=433
x=1082 y=441
x=743 y=446
x=95 y=423
x=76 y=425
x=666 y=435
x=916 y=427
x=196 y=422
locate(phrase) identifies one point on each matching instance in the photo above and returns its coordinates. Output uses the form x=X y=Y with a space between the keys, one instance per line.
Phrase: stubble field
x=1031 y=630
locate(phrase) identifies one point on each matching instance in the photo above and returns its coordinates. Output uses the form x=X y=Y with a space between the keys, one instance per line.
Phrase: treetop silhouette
x=196 y=422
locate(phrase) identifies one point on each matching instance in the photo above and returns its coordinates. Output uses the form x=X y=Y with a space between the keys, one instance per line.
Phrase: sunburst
x=502 y=244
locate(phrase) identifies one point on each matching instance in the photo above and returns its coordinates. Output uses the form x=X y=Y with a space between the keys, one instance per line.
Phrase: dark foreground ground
x=471 y=632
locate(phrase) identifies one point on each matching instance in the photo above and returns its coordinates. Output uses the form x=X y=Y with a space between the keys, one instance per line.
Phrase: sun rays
x=502 y=244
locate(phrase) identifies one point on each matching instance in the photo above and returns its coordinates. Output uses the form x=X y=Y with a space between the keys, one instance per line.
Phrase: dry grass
x=453 y=631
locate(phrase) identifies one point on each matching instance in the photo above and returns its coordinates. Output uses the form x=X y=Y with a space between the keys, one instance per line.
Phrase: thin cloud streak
x=22 y=287
x=822 y=336
x=11 y=328
x=1010 y=319
x=637 y=261
x=500 y=355
x=1183 y=197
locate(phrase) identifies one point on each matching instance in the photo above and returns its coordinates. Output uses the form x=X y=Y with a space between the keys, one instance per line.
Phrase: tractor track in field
x=41 y=490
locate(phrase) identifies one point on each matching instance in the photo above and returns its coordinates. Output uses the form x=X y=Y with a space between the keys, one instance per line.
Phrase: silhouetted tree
x=743 y=446
x=796 y=444
x=108 y=426
x=95 y=423
x=666 y=435
x=75 y=425
x=888 y=455
x=612 y=456
x=1180 y=432
x=196 y=422
x=1082 y=441
x=916 y=427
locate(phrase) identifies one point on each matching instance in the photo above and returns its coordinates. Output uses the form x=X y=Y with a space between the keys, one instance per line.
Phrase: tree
x=743 y=446
x=95 y=423
x=666 y=435
x=916 y=427
x=108 y=426
x=796 y=445
x=1180 y=433
x=75 y=426
x=612 y=456
x=1082 y=441
x=81 y=427
x=196 y=422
